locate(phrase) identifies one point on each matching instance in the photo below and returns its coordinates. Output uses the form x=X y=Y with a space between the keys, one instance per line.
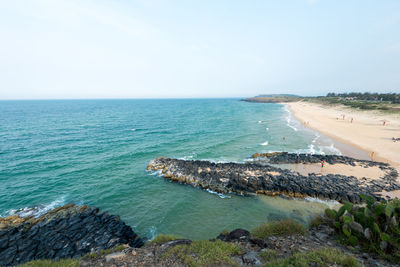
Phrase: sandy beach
x=362 y=129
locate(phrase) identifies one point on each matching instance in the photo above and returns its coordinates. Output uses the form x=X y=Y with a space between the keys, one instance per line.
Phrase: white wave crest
x=330 y=203
x=156 y=173
x=38 y=210
x=265 y=143
x=187 y=157
x=289 y=119
x=333 y=149
x=218 y=194
x=152 y=232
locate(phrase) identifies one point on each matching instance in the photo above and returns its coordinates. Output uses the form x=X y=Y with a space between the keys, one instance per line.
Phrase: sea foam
x=289 y=119
x=218 y=194
x=37 y=210
x=265 y=143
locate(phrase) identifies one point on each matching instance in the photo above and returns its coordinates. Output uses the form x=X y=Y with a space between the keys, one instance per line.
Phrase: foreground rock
x=252 y=250
x=261 y=178
x=65 y=232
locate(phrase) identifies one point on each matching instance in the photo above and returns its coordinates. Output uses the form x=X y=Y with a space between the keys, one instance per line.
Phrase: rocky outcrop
x=292 y=158
x=252 y=249
x=261 y=178
x=65 y=232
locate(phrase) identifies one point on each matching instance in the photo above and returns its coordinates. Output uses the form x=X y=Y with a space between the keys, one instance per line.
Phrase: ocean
x=95 y=152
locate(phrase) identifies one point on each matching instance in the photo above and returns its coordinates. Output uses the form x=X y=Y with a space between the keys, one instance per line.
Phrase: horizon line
x=118 y=98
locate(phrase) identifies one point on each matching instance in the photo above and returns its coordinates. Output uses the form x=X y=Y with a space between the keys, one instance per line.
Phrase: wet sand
x=360 y=172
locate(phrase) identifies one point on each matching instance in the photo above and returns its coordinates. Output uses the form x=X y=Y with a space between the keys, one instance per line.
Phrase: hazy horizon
x=210 y=49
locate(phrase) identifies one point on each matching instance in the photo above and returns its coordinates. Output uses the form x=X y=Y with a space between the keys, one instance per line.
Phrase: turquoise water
x=95 y=152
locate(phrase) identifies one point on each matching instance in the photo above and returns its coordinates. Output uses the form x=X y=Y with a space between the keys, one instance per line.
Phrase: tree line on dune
x=389 y=97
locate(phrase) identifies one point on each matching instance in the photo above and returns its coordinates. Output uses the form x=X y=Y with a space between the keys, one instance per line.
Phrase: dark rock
x=259 y=242
x=3 y=242
x=65 y=232
x=237 y=234
x=256 y=177
x=251 y=258
x=7 y=255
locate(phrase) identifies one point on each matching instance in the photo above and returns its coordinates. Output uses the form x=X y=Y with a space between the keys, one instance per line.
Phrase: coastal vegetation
x=162 y=239
x=231 y=248
x=279 y=228
x=383 y=106
x=391 y=97
x=52 y=263
x=374 y=227
x=348 y=236
x=387 y=103
x=205 y=253
x=222 y=252
x=321 y=257
x=273 y=98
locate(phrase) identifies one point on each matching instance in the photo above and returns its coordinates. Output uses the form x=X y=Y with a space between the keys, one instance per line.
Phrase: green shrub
x=322 y=257
x=374 y=227
x=279 y=228
x=162 y=239
x=205 y=253
x=50 y=263
x=316 y=221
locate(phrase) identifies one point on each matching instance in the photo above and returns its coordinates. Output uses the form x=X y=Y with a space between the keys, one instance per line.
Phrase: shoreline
x=344 y=148
x=327 y=125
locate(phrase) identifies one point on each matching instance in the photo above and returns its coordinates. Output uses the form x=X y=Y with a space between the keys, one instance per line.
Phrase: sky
x=178 y=49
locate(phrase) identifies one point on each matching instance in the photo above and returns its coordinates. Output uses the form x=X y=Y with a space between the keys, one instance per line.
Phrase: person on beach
x=372 y=155
x=351 y=121
x=322 y=163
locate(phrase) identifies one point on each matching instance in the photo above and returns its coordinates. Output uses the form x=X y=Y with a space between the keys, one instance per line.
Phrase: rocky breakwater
x=261 y=178
x=293 y=158
x=65 y=232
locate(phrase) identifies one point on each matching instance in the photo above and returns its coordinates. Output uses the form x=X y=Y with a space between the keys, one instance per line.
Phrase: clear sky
x=154 y=48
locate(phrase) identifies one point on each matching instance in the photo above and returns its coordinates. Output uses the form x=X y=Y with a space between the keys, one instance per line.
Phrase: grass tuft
x=162 y=239
x=268 y=255
x=279 y=228
x=205 y=253
x=50 y=263
x=316 y=221
x=322 y=257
